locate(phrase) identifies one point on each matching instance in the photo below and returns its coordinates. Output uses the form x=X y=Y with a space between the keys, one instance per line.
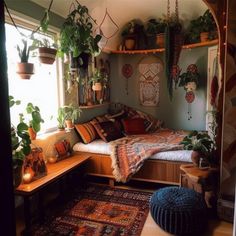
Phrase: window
x=41 y=89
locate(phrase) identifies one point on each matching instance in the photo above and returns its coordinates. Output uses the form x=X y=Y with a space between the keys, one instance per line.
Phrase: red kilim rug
x=99 y=211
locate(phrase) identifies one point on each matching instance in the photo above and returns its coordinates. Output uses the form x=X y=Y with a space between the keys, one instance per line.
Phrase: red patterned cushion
x=107 y=130
x=134 y=126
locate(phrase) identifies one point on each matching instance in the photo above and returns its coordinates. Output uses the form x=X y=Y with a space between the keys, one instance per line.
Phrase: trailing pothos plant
x=20 y=139
x=76 y=34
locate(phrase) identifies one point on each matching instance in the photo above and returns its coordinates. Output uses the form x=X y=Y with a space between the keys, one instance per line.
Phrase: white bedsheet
x=99 y=146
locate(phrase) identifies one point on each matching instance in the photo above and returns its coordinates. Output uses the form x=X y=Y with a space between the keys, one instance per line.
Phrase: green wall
x=174 y=113
x=34 y=10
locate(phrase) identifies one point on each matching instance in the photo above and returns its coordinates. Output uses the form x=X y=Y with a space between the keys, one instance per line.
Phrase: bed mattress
x=100 y=147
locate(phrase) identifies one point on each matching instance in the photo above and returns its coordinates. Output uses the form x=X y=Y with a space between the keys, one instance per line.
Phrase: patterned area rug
x=99 y=211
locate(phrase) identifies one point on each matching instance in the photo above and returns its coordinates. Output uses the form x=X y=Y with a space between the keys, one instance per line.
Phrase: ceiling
x=122 y=11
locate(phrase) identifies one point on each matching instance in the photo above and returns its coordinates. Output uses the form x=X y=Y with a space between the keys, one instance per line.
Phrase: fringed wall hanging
x=127 y=72
x=149 y=81
x=173 y=46
x=190 y=80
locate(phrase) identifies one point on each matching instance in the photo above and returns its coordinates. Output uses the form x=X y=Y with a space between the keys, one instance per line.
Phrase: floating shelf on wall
x=94 y=106
x=187 y=46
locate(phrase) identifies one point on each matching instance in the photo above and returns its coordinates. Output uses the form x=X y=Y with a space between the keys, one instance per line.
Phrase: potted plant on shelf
x=202 y=29
x=20 y=145
x=35 y=120
x=157 y=28
x=24 y=68
x=76 y=36
x=201 y=144
x=71 y=114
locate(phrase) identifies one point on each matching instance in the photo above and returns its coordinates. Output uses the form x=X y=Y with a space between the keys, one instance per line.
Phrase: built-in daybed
x=162 y=167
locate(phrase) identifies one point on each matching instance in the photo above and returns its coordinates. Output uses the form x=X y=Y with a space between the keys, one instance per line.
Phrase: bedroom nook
x=118 y=117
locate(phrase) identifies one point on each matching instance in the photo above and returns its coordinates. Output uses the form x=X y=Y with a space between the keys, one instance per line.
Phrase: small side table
x=204 y=181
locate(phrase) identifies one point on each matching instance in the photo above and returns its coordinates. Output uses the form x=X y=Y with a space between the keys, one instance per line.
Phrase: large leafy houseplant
x=201 y=143
x=76 y=34
x=20 y=144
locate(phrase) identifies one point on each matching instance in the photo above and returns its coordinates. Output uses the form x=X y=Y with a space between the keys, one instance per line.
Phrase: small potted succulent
x=24 y=68
x=61 y=119
x=201 y=144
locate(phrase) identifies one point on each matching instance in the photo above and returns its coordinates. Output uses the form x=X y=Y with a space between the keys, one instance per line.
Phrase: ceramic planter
x=25 y=70
x=160 y=40
x=97 y=86
x=195 y=157
x=47 y=55
x=69 y=124
x=129 y=43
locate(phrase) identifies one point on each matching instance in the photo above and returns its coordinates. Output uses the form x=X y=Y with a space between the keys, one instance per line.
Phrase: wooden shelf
x=94 y=106
x=187 y=46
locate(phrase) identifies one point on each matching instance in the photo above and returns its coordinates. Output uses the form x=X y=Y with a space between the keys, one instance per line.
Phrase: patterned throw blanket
x=129 y=153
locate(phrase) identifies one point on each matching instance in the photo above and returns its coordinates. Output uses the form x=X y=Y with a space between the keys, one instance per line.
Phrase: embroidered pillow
x=86 y=132
x=107 y=130
x=134 y=126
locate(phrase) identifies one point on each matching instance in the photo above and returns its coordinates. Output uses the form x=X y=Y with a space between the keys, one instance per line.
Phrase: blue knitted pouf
x=179 y=211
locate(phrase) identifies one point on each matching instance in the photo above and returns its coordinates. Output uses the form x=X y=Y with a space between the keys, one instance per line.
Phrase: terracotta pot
x=25 y=70
x=129 y=44
x=47 y=55
x=204 y=36
x=32 y=133
x=160 y=40
x=195 y=157
x=97 y=86
x=69 y=124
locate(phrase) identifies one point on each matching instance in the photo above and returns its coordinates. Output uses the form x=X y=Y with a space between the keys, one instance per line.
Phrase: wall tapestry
x=149 y=81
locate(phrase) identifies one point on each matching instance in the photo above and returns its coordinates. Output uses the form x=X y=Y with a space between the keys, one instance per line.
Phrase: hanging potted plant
x=47 y=50
x=98 y=82
x=24 y=69
x=76 y=37
x=20 y=145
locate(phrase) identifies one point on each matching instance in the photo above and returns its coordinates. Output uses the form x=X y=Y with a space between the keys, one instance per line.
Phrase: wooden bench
x=55 y=172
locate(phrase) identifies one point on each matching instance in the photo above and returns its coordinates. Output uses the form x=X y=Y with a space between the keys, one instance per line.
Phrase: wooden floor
x=216 y=228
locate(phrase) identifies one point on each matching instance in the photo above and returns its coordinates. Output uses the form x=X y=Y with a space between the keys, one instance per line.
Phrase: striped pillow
x=86 y=132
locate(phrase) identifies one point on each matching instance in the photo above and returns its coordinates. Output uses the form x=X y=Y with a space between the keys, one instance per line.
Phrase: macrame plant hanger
x=173 y=46
x=100 y=31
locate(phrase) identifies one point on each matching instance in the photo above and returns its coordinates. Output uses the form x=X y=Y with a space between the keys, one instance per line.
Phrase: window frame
x=30 y=23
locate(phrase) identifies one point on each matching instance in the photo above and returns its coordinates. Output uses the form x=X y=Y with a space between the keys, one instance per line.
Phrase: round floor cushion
x=179 y=211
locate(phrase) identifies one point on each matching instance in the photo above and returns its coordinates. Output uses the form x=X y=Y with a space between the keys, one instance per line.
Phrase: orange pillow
x=134 y=126
x=86 y=132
